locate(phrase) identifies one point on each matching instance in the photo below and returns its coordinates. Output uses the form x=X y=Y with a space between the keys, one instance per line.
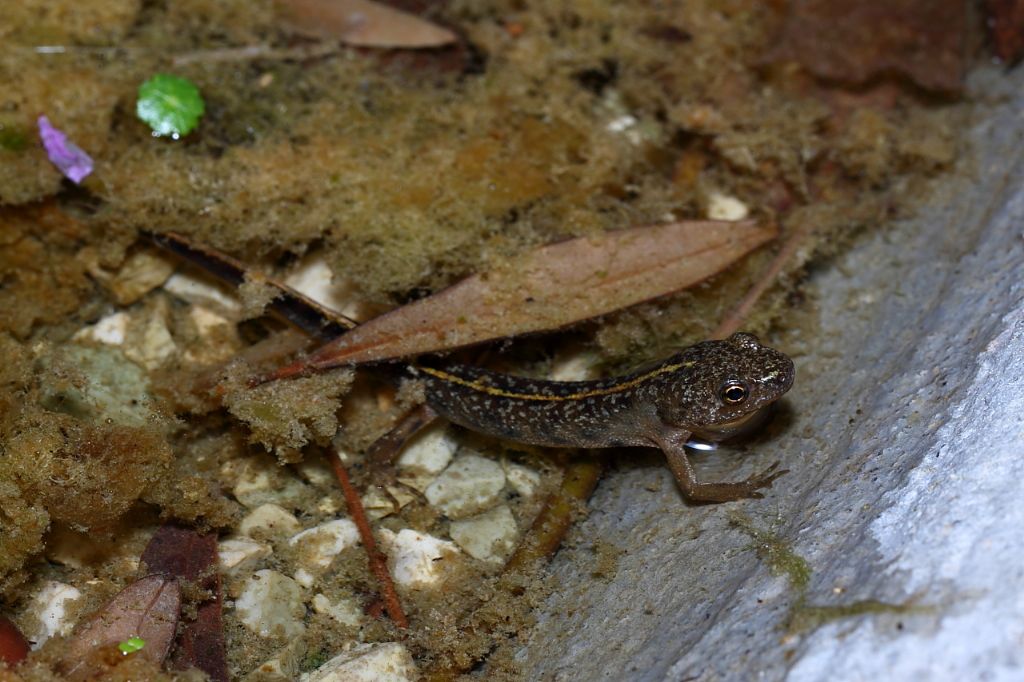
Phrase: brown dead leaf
x=181 y=552
x=148 y=608
x=1005 y=19
x=361 y=22
x=184 y=553
x=854 y=41
x=548 y=288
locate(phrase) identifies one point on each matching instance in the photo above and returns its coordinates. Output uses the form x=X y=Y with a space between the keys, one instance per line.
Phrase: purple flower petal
x=74 y=163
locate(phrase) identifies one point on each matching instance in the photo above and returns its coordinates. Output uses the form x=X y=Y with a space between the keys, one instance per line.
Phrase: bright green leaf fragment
x=170 y=105
x=131 y=645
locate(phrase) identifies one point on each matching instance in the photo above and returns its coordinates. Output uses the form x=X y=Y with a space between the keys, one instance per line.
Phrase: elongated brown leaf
x=148 y=608
x=548 y=288
x=362 y=22
x=181 y=552
x=184 y=553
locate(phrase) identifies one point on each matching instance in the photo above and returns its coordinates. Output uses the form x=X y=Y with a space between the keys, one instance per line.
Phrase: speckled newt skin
x=711 y=389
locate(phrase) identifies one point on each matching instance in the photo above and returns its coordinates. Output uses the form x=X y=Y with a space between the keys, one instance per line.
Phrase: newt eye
x=733 y=392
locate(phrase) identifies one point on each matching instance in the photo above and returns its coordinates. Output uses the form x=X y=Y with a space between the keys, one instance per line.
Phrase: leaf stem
x=378 y=562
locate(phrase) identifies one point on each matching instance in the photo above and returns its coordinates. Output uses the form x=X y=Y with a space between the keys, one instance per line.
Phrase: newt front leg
x=673 y=445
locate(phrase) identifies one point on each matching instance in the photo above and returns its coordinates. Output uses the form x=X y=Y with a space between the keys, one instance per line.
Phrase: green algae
x=781 y=559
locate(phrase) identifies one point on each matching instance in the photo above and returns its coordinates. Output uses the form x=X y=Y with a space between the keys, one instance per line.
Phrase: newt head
x=723 y=387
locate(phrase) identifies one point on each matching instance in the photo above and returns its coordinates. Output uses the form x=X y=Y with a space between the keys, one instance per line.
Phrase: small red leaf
x=148 y=608
x=1006 y=28
x=13 y=645
x=180 y=552
x=854 y=41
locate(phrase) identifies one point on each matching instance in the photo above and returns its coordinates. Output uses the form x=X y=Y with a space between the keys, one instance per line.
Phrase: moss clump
x=13 y=138
x=21 y=533
x=286 y=415
x=77 y=444
x=44 y=282
x=84 y=474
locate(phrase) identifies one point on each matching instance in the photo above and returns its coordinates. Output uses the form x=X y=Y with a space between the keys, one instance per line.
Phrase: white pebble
x=251 y=487
x=313 y=278
x=241 y=554
x=416 y=559
x=142 y=272
x=217 y=337
x=426 y=456
x=346 y=611
x=390 y=662
x=327 y=506
x=575 y=367
x=199 y=292
x=261 y=480
x=725 y=207
x=49 y=609
x=379 y=504
x=270 y=520
x=206 y=321
x=490 y=536
x=317 y=473
x=110 y=330
x=304 y=577
x=154 y=345
x=621 y=123
x=271 y=605
x=469 y=485
x=319 y=545
x=523 y=480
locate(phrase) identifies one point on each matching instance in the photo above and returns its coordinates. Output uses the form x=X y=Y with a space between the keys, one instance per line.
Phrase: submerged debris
x=856 y=40
x=362 y=22
x=1005 y=22
x=72 y=161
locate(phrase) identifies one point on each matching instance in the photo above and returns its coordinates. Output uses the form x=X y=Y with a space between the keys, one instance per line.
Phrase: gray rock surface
x=905 y=441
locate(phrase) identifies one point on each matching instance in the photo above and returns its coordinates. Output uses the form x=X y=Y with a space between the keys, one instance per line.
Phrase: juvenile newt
x=712 y=389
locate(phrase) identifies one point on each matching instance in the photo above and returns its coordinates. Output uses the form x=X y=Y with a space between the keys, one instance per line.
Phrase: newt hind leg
x=696 y=491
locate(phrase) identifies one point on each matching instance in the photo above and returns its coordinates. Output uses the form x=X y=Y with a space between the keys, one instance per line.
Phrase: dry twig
x=378 y=562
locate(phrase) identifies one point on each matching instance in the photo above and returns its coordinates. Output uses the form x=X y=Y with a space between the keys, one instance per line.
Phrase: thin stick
x=384 y=451
x=378 y=562
x=253 y=52
x=553 y=522
x=734 y=320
